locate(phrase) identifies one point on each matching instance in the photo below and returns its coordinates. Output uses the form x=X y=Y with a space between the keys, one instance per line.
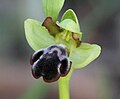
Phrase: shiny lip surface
x=50 y=56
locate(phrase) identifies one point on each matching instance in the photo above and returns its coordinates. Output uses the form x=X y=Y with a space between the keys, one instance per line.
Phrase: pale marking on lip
x=56 y=49
x=34 y=64
x=59 y=65
x=59 y=53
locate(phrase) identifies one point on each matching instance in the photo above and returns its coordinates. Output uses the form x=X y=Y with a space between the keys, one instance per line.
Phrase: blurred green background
x=100 y=23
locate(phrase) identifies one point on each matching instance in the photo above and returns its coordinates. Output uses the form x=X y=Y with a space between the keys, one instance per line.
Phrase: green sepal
x=52 y=8
x=37 y=36
x=84 y=54
x=70 y=14
x=69 y=25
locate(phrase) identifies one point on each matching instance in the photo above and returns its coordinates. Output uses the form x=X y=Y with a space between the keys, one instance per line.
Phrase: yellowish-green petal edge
x=84 y=54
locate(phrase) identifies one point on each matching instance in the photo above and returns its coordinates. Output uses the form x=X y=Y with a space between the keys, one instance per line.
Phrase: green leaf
x=52 y=8
x=37 y=35
x=84 y=54
x=70 y=25
x=70 y=14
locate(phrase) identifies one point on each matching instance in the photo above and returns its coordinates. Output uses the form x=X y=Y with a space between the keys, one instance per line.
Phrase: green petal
x=84 y=54
x=70 y=14
x=52 y=8
x=37 y=35
x=70 y=25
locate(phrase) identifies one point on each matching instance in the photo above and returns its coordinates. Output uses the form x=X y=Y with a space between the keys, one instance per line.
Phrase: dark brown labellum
x=51 y=63
x=35 y=56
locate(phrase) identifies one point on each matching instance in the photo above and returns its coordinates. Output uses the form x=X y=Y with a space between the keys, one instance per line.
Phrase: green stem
x=63 y=84
x=63 y=88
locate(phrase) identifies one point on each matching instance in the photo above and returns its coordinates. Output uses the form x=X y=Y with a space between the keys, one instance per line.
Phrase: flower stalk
x=63 y=88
